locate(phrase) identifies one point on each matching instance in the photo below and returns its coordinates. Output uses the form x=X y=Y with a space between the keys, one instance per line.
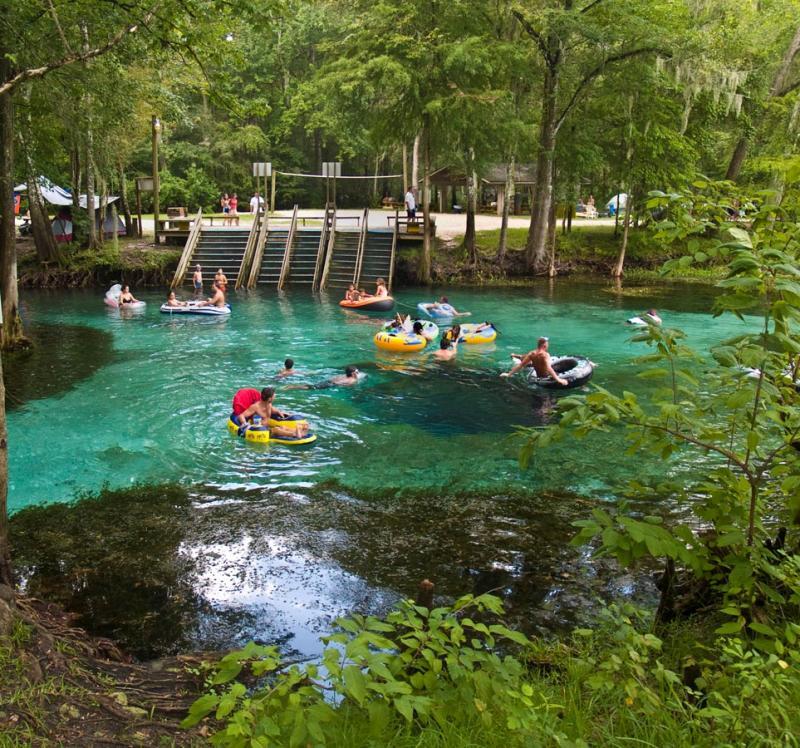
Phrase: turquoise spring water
x=413 y=474
x=155 y=408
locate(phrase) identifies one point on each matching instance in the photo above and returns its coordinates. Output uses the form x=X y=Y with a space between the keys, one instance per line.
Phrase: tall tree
x=577 y=44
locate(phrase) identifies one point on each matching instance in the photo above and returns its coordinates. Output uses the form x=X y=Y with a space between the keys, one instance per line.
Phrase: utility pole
x=156 y=206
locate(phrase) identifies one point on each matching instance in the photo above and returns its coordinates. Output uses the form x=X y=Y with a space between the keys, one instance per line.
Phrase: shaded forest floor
x=59 y=686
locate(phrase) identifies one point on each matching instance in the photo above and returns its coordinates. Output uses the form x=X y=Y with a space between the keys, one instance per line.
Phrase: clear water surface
x=413 y=473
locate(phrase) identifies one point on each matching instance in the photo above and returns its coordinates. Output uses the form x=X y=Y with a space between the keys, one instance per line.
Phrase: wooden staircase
x=217 y=248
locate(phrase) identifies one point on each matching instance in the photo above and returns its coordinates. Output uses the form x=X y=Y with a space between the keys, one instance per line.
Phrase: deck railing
x=391 y=257
x=188 y=250
x=287 y=253
x=258 y=253
x=329 y=251
x=247 y=257
x=362 y=243
x=323 y=238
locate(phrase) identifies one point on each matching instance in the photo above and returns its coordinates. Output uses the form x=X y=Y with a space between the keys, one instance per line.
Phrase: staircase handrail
x=258 y=253
x=391 y=256
x=188 y=250
x=287 y=253
x=362 y=245
x=329 y=252
x=323 y=235
x=252 y=239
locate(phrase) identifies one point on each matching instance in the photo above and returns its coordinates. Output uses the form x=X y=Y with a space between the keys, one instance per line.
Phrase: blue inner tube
x=441 y=310
x=577 y=370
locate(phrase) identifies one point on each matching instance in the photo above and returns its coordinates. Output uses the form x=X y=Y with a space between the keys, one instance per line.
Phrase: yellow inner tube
x=400 y=342
x=468 y=334
x=261 y=434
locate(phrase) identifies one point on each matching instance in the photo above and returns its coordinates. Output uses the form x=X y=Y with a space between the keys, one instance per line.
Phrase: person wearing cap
x=539 y=360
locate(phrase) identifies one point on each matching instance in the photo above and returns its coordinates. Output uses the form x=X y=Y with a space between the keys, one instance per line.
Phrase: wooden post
x=139 y=209
x=272 y=194
x=425 y=594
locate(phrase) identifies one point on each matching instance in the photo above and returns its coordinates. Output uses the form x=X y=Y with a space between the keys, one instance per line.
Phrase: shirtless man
x=288 y=369
x=540 y=361
x=348 y=379
x=218 y=299
x=264 y=408
x=197 y=280
x=447 y=348
x=220 y=279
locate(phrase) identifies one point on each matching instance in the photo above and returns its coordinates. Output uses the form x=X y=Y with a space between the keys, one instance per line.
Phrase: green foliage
x=432 y=678
x=734 y=421
x=419 y=666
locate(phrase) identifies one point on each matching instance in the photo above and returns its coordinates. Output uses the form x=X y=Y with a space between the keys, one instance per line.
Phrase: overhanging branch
x=39 y=72
x=533 y=33
x=594 y=73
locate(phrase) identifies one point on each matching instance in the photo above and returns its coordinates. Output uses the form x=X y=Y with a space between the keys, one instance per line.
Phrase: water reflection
x=161 y=569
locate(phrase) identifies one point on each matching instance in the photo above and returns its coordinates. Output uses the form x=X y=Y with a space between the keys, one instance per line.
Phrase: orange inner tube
x=385 y=301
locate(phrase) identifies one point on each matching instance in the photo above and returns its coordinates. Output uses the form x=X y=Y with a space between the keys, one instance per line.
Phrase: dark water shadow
x=163 y=570
x=60 y=356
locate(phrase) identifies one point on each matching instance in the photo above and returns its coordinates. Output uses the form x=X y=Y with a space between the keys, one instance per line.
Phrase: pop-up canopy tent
x=62 y=223
x=620 y=200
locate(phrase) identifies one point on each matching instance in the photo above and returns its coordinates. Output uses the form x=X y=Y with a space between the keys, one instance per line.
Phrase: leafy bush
x=419 y=666
x=741 y=415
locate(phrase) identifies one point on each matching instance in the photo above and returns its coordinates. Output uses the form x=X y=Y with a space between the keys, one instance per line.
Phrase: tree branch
x=590 y=6
x=788 y=88
x=33 y=73
x=533 y=33
x=592 y=74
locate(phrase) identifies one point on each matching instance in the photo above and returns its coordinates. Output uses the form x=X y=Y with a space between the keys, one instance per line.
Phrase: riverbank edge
x=583 y=254
x=59 y=685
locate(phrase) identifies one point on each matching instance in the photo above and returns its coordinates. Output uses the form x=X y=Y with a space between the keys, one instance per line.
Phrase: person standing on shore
x=256 y=203
x=411 y=204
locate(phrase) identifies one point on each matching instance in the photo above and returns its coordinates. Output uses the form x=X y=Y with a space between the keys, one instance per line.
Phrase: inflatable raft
x=193 y=307
x=440 y=311
x=471 y=334
x=399 y=341
x=577 y=370
x=430 y=330
x=261 y=435
x=369 y=304
x=643 y=320
x=112 y=299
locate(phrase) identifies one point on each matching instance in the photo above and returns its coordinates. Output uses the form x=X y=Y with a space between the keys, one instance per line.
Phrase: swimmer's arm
x=554 y=374
x=524 y=361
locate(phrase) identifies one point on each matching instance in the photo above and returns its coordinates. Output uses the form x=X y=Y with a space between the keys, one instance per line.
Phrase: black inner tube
x=565 y=364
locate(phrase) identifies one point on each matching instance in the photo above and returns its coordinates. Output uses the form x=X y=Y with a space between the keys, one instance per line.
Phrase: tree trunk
x=406 y=185
x=91 y=228
x=425 y=265
x=737 y=159
x=123 y=201
x=415 y=163
x=616 y=271
x=46 y=248
x=6 y=576
x=43 y=240
x=101 y=218
x=780 y=87
x=76 y=177
x=12 y=327
x=502 y=243
x=536 y=246
x=551 y=239
x=472 y=202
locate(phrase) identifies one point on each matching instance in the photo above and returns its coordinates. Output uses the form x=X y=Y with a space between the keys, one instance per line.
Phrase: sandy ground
x=448 y=225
